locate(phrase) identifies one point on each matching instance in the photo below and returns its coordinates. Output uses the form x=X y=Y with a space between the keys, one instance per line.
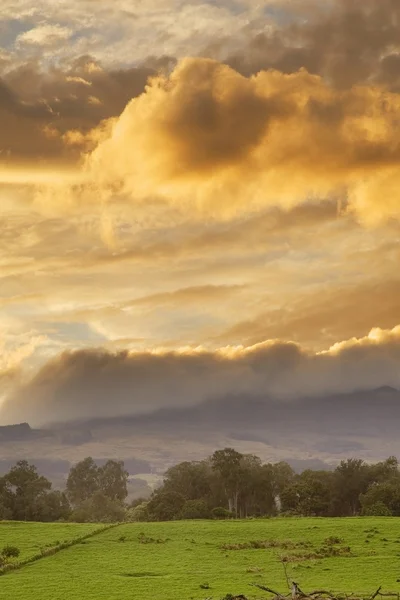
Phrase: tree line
x=240 y=485
x=92 y=493
x=227 y=484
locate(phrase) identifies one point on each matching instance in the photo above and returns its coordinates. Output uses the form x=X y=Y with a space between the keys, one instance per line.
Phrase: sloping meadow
x=187 y=560
x=36 y=539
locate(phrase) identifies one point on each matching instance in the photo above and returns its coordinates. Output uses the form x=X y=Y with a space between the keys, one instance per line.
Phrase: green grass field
x=117 y=565
x=30 y=538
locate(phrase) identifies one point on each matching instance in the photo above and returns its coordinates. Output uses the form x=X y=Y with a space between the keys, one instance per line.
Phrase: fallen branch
x=298 y=594
x=325 y=593
x=267 y=589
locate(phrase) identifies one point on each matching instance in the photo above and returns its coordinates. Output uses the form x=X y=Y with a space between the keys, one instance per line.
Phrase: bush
x=144 y=539
x=205 y=586
x=222 y=513
x=332 y=540
x=10 y=552
x=165 y=506
x=139 y=513
x=195 y=509
x=379 y=509
x=98 y=509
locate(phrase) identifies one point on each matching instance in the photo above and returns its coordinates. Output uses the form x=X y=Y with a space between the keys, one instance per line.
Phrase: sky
x=197 y=198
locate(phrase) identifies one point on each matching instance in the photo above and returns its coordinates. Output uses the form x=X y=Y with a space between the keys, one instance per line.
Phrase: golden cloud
x=207 y=136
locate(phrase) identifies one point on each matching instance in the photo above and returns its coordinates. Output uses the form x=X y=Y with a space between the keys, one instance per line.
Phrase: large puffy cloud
x=344 y=42
x=100 y=384
x=208 y=135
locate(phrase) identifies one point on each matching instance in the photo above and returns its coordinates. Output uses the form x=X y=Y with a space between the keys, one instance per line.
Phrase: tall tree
x=283 y=476
x=256 y=495
x=83 y=481
x=27 y=488
x=113 y=480
x=52 y=506
x=6 y=500
x=228 y=463
x=165 y=506
x=310 y=494
x=191 y=479
x=382 y=499
x=384 y=471
x=351 y=478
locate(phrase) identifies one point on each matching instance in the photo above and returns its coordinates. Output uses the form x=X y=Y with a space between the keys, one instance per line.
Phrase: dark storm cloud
x=37 y=108
x=353 y=41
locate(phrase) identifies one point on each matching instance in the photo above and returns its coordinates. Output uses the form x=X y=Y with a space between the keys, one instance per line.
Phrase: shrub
x=222 y=513
x=139 y=513
x=379 y=509
x=263 y=544
x=195 y=509
x=205 y=586
x=144 y=539
x=98 y=509
x=165 y=506
x=10 y=552
x=332 y=540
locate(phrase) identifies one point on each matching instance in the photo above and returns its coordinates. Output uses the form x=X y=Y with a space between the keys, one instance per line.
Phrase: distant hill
x=306 y=432
x=10 y=433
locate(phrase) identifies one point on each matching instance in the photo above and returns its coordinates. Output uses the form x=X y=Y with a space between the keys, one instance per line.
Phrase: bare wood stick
x=267 y=589
x=286 y=573
x=299 y=591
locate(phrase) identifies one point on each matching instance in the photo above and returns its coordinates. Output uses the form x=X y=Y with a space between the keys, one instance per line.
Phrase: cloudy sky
x=196 y=198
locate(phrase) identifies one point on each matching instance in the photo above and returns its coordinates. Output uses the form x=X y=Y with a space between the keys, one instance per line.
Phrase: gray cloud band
x=89 y=383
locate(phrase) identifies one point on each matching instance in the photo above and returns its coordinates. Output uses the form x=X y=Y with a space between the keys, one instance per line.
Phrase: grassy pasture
x=32 y=537
x=187 y=560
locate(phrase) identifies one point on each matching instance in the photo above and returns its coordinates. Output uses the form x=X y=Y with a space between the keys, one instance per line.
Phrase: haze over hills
x=309 y=432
